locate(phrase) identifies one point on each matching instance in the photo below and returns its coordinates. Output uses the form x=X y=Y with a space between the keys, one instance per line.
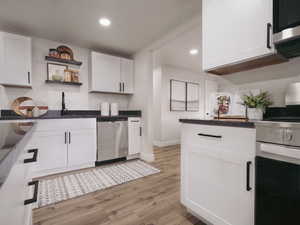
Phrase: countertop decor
x=256 y=104
x=62 y=54
x=25 y=107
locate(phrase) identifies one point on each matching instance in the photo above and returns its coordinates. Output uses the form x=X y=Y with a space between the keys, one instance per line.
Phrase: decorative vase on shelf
x=255 y=114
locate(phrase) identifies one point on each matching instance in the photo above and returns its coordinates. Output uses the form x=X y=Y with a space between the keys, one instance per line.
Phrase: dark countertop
x=11 y=134
x=72 y=114
x=226 y=123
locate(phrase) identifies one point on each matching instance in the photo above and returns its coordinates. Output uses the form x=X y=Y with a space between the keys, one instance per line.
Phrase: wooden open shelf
x=63 y=82
x=66 y=61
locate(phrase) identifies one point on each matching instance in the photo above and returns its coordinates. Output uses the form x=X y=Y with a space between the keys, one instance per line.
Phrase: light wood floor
x=153 y=200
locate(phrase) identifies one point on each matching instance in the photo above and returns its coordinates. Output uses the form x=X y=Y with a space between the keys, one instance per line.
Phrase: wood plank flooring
x=153 y=200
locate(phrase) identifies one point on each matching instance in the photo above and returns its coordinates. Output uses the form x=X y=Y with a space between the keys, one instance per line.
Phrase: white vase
x=255 y=114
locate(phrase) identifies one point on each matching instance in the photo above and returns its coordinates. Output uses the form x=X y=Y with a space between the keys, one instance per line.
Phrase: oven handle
x=249 y=188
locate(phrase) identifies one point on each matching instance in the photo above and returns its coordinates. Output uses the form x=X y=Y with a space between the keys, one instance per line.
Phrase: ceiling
x=135 y=23
x=176 y=53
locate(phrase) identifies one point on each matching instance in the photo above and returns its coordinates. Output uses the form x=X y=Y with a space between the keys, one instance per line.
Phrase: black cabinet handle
x=210 y=135
x=34 y=157
x=269 y=27
x=120 y=86
x=35 y=194
x=28 y=74
x=69 y=137
x=123 y=86
x=141 y=131
x=135 y=121
x=248 y=176
x=65 y=137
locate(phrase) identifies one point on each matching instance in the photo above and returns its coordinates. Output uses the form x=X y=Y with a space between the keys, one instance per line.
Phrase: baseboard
x=50 y=172
x=135 y=156
x=166 y=143
x=148 y=157
x=198 y=217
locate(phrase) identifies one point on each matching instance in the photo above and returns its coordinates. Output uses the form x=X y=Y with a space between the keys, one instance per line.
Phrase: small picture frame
x=55 y=72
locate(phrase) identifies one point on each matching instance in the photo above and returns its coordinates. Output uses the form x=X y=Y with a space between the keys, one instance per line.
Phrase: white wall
x=167 y=129
x=157 y=93
x=142 y=99
x=274 y=79
x=76 y=97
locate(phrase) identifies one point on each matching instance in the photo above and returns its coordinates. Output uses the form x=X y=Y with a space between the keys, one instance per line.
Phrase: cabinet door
x=134 y=135
x=127 y=75
x=82 y=147
x=106 y=73
x=52 y=150
x=16 y=60
x=215 y=187
x=235 y=30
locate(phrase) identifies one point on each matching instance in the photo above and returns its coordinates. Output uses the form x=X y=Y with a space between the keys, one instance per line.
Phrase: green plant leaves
x=262 y=100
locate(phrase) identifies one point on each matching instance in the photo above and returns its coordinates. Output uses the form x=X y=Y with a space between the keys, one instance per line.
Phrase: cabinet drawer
x=65 y=124
x=219 y=137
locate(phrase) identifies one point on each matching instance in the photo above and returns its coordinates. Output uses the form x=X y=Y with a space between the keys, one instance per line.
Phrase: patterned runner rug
x=73 y=185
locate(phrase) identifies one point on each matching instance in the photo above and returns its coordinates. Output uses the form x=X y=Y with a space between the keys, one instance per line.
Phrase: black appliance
x=277 y=192
x=277 y=167
x=286 y=28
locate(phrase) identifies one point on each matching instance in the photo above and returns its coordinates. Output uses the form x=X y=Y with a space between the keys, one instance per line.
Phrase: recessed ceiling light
x=104 y=22
x=194 y=51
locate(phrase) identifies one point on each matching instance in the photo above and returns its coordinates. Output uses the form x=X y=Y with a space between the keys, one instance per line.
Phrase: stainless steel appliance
x=287 y=27
x=277 y=200
x=112 y=139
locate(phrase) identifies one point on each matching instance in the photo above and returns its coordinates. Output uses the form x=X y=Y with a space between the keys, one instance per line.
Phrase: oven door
x=286 y=14
x=277 y=200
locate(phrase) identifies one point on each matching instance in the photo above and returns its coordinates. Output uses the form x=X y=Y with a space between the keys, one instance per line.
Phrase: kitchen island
x=217 y=170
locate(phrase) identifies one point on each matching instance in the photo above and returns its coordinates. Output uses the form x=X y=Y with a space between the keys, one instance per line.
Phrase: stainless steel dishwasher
x=112 y=139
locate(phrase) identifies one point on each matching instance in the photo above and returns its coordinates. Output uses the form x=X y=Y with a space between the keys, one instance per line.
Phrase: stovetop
x=283 y=114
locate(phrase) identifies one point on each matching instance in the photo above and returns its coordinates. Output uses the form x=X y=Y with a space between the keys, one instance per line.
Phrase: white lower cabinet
x=52 y=150
x=64 y=145
x=82 y=147
x=134 y=135
x=214 y=182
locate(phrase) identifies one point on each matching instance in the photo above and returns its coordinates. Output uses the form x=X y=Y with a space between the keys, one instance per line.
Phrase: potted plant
x=256 y=105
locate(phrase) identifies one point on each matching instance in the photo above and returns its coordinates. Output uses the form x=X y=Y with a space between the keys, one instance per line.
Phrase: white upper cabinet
x=105 y=73
x=236 y=31
x=111 y=74
x=127 y=75
x=15 y=60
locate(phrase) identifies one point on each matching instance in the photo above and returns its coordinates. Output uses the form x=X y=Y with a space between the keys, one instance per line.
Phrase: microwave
x=286 y=27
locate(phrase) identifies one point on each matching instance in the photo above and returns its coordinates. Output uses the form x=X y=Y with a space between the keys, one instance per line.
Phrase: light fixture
x=194 y=51
x=104 y=22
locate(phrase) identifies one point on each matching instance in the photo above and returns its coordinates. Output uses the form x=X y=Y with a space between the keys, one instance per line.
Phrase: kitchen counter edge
x=219 y=123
